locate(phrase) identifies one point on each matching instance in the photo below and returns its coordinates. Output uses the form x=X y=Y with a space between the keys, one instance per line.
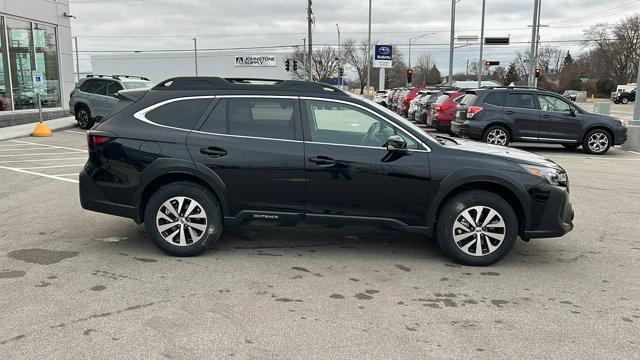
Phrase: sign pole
x=381 y=79
x=480 y=61
x=369 y=53
x=453 y=26
x=195 y=53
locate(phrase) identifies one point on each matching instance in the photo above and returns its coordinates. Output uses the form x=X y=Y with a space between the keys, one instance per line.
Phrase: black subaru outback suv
x=193 y=155
x=504 y=114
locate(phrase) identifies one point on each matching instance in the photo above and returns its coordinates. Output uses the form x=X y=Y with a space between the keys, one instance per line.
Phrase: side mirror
x=570 y=112
x=396 y=143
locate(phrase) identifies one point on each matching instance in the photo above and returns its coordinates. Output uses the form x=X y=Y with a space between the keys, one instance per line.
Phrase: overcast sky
x=127 y=25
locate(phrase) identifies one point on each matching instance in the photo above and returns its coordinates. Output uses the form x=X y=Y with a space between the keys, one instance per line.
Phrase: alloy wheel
x=181 y=221
x=83 y=118
x=479 y=231
x=598 y=142
x=497 y=137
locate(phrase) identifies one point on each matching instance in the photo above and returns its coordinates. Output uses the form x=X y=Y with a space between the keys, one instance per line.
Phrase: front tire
x=477 y=228
x=624 y=101
x=183 y=219
x=83 y=117
x=596 y=142
x=496 y=135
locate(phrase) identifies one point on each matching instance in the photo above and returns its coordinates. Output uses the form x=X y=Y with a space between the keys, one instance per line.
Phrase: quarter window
x=270 y=118
x=179 y=114
x=348 y=125
x=518 y=100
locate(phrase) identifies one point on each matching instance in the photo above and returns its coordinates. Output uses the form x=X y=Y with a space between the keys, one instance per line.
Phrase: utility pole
x=535 y=56
x=339 y=64
x=304 y=58
x=75 y=40
x=369 y=51
x=310 y=51
x=467 y=72
x=481 y=61
x=451 y=40
x=532 y=62
x=195 y=54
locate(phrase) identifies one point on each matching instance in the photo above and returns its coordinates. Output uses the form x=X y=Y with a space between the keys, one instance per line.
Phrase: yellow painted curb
x=41 y=130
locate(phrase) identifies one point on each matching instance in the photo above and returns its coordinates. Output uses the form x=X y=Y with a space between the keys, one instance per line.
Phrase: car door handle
x=322 y=161
x=546 y=116
x=213 y=152
x=508 y=112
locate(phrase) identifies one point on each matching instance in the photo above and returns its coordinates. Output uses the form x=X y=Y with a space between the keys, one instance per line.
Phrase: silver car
x=94 y=96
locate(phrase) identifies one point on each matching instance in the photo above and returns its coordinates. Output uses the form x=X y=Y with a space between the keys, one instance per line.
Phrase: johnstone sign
x=255 y=61
x=383 y=56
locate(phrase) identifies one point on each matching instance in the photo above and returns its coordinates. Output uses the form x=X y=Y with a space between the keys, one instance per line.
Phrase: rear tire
x=596 y=142
x=496 y=135
x=477 y=216
x=183 y=219
x=83 y=117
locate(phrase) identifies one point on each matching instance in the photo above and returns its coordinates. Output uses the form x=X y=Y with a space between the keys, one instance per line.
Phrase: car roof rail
x=509 y=87
x=219 y=83
x=116 y=76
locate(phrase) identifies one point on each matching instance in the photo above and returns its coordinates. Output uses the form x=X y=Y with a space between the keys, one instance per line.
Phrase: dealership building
x=158 y=66
x=35 y=59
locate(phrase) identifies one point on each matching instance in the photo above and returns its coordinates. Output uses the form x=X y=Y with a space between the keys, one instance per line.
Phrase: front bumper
x=555 y=218
x=620 y=136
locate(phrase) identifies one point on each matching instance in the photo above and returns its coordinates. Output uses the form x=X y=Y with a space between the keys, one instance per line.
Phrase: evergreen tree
x=568 y=60
x=512 y=75
x=434 y=77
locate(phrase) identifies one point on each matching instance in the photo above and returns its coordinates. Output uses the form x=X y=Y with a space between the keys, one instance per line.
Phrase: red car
x=406 y=99
x=443 y=111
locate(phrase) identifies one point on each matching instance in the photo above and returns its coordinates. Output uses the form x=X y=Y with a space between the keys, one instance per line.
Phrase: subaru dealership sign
x=383 y=56
x=255 y=61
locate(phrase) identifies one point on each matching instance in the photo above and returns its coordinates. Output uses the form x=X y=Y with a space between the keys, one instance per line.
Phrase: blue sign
x=383 y=52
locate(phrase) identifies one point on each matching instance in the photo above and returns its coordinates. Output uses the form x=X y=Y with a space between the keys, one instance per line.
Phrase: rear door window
x=181 y=114
x=98 y=87
x=268 y=118
x=520 y=100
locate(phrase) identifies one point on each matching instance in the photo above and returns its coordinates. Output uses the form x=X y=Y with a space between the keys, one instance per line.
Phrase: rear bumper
x=91 y=198
x=556 y=218
x=466 y=130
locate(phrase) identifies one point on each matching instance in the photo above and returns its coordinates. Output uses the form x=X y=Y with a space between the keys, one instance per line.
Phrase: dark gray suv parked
x=504 y=114
x=94 y=96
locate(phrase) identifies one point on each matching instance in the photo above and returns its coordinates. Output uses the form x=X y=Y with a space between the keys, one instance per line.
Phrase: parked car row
x=501 y=115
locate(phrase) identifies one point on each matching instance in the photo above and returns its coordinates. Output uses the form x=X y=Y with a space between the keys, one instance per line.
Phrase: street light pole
x=533 y=43
x=339 y=76
x=481 y=61
x=451 y=40
x=195 y=54
x=75 y=40
x=369 y=51
x=310 y=51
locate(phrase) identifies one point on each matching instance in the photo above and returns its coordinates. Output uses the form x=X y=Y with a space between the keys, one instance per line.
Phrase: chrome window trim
x=418 y=141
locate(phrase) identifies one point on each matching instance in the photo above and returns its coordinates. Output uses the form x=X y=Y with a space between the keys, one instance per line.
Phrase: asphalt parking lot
x=78 y=284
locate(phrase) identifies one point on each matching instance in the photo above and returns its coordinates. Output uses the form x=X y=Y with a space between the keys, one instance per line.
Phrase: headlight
x=551 y=175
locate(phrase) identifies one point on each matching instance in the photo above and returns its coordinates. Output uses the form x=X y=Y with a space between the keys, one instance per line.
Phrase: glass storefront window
x=5 y=100
x=20 y=63
x=47 y=64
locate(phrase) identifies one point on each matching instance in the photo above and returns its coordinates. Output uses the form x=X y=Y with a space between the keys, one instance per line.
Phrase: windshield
x=399 y=118
x=129 y=85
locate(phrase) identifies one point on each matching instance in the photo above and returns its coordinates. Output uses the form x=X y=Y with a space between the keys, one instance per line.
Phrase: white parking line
x=74 y=174
x=23 y=149
x=40 y=154
x=49 y=167
x=53 y=146
x=76 y=132
x=634 y=152
x=39 y=174
x=32 y=160
x=3 y=145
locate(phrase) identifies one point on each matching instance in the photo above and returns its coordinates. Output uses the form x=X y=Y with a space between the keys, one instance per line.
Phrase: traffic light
x=409 y=74
x=295 y=65
x=341 y=71
x=491 y=63
x=286 y=65
x=536 y=72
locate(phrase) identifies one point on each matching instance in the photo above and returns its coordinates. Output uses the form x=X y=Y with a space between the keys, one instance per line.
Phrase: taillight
x=95 y=139
x=472 y=110
x=444 y=107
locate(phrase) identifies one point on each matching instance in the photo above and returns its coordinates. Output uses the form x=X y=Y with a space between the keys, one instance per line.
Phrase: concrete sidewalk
x=18 y=131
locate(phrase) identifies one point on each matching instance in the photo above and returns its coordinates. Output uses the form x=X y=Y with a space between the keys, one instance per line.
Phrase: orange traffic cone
x=41 y=130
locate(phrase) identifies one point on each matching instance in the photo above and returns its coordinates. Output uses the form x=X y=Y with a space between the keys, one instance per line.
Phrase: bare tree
x=422 y=69
x=325 y=64
x=356 y=54
x=619 y=44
